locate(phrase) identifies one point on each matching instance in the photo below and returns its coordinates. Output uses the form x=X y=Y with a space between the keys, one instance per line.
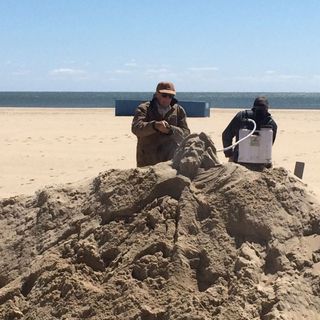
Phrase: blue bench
x=192 y=108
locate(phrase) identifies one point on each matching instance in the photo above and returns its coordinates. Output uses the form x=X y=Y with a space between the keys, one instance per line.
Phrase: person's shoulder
x=142 y=108
x=271 y=119
x=180 y=110
x=178 y=106
x=144 y=105
x=244 y=114
x=269 y=115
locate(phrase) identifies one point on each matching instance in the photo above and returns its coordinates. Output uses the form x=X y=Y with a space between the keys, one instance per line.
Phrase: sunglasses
x=166 y=95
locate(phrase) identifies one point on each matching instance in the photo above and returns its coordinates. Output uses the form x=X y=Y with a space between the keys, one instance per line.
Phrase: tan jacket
x=154 y=146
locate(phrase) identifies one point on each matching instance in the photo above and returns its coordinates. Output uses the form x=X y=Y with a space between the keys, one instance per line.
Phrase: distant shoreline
x=219 y=100
x=112 y=107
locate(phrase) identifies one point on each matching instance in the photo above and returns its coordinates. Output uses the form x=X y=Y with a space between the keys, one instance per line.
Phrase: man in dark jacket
x=160 y=125
x=259 y=113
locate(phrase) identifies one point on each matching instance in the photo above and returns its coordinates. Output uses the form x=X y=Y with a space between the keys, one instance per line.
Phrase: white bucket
x=257 y=148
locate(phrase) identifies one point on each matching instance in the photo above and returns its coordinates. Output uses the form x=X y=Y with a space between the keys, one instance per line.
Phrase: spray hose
x=244 y=138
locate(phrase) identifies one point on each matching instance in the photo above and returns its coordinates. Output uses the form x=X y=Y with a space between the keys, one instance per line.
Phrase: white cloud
x=270 y=72
x=20 y=72
x=68 y=62
x=157 y=70
x=67 y=72
x=131 y=64
x=203 y=69
x=270 y=77
x=120 y=71
x=290 y=76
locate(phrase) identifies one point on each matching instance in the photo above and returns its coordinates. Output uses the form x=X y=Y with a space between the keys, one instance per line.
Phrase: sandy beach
x=41 y=146
x=183 y=239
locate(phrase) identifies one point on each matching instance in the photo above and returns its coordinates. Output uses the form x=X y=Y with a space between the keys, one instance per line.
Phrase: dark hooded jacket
x=240 y=122
x=154 y=146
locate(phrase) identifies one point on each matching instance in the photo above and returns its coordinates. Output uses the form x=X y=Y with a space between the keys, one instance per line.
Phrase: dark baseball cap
x=166 y=87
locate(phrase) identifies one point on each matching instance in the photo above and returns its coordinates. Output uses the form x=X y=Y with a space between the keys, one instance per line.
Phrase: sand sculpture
x=184 y=239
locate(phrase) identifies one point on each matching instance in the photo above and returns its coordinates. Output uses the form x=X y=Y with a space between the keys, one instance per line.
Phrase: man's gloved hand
x=162 y=126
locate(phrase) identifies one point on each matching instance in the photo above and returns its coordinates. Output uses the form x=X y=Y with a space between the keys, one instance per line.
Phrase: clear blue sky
x=130 y=45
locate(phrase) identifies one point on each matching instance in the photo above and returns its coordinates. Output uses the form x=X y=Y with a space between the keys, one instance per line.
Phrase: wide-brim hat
x=166 y=87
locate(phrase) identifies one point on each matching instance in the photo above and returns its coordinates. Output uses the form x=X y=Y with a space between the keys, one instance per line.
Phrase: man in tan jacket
x=160 y=125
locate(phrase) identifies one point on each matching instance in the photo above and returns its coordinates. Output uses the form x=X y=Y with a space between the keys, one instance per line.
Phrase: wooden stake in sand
x=298 y=169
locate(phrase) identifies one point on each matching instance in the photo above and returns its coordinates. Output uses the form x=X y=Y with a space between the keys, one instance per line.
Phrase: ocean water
x=277 y=100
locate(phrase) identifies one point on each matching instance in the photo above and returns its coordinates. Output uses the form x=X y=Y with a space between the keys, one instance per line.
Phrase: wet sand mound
x=187 y=239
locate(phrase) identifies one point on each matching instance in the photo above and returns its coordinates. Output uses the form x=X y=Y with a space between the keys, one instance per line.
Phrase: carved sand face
x=196 y=151
x=190 y=158
x=194 y=148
